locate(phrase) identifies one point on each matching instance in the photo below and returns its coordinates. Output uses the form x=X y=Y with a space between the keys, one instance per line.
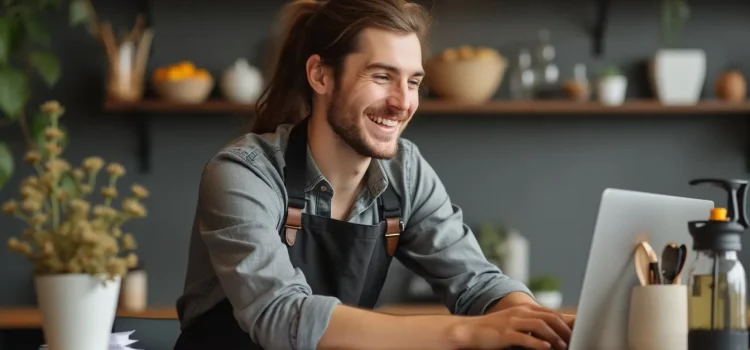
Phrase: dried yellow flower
x=104 y=212
x=53 y=133
x=115 y=169
x=78 y=174
x=31 y=205
x=109 y=192
x=38 y=219
x=53 y=149
x=133 y=208
x=79 y=206
x=131 y=260
x=10 y=207
x=57 y=166
x=128 y=242
x=32 y=157
x=51 y=107
x=93 y=164
x=139 y=191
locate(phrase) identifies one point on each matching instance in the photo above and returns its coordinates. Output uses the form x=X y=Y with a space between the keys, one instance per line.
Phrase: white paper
x=117 y=341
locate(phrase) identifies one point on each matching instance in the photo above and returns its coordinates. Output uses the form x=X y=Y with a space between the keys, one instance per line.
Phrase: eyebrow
x=388 y=67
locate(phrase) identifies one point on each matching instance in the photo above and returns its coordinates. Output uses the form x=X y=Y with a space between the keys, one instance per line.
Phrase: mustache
x=385 y=111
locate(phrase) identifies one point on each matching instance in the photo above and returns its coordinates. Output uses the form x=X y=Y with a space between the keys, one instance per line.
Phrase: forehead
x=402 y=51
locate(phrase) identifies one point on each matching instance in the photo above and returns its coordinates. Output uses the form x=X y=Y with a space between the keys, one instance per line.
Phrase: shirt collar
x=376 y=179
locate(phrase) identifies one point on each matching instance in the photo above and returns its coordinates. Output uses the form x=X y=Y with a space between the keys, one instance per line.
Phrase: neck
x=340 y=164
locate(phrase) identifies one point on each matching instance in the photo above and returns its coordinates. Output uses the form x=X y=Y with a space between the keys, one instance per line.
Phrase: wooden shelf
x=31 y=318
x=447 y=107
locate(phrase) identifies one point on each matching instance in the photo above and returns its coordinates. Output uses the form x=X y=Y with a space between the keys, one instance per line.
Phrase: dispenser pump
x=722 y=232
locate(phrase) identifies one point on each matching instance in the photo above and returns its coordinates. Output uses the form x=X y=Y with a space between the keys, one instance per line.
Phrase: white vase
x=549 y=299
x=241 y=82
x=78 y=310
x=677 y=75
x=611 y=90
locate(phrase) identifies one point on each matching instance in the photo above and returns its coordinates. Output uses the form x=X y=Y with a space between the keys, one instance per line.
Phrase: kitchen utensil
x=683 y=253
x=646 y=264
x=670 y=262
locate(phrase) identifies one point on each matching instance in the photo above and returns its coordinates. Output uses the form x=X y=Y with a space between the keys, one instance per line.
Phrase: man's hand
x=526 y=325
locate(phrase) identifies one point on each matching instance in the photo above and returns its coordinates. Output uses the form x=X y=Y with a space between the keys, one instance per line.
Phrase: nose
x=399 y=98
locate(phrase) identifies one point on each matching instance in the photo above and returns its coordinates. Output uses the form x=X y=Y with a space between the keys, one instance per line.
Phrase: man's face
x=377 y=93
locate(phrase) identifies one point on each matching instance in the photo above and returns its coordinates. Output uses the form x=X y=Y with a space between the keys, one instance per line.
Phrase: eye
x=415 y=83
x=382 y=78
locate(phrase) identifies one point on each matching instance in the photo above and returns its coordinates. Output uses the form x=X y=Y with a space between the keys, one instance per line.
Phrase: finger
x=555 y=321
x=541 y=329
x=570 y=320
x=526 y=341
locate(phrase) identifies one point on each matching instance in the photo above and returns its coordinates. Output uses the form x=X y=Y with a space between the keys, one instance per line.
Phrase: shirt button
x=323 y=188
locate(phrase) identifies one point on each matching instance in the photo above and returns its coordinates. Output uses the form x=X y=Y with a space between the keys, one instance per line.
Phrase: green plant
x=491 y=239
x=544 y=283
x=674 y=14
x=24 y=55
x=610 y=71
x=66 y=233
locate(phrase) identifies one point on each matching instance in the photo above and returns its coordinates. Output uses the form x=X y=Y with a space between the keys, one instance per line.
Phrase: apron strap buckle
x=393 y=230
x=293 y=224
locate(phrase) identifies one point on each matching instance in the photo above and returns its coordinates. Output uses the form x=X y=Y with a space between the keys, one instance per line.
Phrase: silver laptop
x=625 y=218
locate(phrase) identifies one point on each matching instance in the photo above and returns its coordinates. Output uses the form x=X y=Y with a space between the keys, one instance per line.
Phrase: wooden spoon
x=646 y=264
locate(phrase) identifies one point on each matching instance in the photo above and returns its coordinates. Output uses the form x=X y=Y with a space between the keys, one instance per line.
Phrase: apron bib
x=340 y=259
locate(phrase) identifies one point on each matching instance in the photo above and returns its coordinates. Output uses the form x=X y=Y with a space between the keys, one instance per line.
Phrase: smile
x=383 y=121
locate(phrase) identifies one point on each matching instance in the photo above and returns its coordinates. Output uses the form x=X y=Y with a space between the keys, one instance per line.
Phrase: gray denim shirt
x=236 y=251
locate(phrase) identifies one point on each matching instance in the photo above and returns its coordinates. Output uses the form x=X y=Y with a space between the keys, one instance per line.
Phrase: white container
x=134 y=291
x=241 y=82
x=515 y=256
x=549 y=299
x=611 y=90
x=78 y=310
x=658 y=317
x=678 y=75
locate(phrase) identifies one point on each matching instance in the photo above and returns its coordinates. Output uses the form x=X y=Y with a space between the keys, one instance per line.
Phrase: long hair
x=330 y=29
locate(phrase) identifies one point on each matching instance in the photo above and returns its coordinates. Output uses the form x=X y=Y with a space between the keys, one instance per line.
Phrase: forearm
x=512 y=299
x=352 y=328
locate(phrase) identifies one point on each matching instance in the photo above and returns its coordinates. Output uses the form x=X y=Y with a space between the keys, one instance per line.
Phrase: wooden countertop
x=30 y=317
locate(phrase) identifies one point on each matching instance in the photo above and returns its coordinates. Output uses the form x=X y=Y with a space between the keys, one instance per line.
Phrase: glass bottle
x=545 y=69
x=522 y=77
x=717 y=306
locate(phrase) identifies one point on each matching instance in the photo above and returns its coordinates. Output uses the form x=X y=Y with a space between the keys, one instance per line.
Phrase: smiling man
x=298 y=221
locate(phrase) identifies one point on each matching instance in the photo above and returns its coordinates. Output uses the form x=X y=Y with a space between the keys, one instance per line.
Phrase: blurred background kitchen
x=572 y=111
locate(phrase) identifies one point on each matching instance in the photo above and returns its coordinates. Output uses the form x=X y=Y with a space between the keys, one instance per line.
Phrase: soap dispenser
x=717 y=307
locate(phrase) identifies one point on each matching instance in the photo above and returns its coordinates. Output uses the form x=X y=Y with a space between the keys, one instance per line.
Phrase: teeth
x=383 y=121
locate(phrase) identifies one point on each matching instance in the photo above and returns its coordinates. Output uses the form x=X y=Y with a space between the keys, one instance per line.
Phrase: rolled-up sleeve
x=441 y=248
x=239 y=216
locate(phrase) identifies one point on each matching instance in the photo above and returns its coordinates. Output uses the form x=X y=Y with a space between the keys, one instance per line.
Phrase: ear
x=318 y=75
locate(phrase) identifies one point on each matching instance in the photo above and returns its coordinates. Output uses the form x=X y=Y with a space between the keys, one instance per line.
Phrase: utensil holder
x=658 y=317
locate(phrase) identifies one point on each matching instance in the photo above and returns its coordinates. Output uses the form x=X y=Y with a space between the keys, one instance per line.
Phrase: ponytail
x=288 y=96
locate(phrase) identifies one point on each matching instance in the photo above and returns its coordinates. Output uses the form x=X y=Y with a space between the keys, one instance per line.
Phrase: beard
x=348 y=126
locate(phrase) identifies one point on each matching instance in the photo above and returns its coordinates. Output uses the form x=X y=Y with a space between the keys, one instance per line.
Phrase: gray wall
x=541 y=174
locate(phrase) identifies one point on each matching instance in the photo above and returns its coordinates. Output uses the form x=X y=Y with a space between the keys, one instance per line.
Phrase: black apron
x=341 y=259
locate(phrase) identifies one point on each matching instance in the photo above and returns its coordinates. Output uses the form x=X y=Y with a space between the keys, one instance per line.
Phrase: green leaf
x=13 y=91
x=68 y=184
x=78 y=12
x=37 y=32
x=5 y=40
x=47 y=65
x=6 y=164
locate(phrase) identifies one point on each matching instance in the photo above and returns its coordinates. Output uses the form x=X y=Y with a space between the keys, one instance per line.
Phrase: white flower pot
x=242 y=82
x=677 y=75
x=611 y=90
x=78 y=310
x=549 y=299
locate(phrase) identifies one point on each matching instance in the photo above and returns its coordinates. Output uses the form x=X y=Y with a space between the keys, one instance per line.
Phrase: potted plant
x=611 y=87
x=546 y=290
x=677 y=73
x=506 y=248
x=77 y=249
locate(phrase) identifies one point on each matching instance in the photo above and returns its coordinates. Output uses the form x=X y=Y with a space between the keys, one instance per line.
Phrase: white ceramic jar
x=241 y=82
